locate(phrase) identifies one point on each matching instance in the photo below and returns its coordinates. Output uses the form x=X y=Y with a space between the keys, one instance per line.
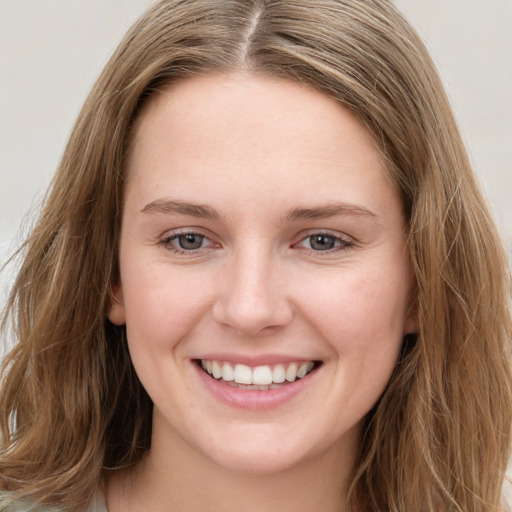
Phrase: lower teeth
x=251 y=386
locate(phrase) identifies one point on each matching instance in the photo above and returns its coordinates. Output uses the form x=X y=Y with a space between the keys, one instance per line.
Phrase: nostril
x=252 y=319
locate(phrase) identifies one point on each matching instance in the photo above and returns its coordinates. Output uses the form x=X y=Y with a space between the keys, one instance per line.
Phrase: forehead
x=244 y=100
x=244 y=132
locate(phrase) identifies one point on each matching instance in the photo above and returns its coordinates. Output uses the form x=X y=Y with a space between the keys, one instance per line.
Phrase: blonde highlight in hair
x=438 y=439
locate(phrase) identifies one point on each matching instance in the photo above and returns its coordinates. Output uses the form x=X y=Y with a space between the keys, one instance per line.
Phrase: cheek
x=361 y=312
x=365 y=331
x=161 y=304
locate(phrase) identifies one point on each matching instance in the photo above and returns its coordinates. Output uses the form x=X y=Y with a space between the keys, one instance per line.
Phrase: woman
x=264 y=277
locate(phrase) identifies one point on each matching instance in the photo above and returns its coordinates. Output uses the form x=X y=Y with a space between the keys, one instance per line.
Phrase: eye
x=186 y=242
x=324 y=242
x=189 y=241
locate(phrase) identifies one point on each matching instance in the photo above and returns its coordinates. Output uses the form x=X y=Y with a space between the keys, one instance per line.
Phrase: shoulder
x=99 y=503
x=8 y=505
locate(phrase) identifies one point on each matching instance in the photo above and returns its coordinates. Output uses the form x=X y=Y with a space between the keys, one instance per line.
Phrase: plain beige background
x=51 y=51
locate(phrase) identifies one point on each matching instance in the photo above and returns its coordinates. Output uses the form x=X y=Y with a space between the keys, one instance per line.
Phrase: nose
x=253 y=300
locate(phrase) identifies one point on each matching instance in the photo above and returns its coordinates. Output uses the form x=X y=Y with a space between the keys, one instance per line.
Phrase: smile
x=257 y=386
x=261 y=378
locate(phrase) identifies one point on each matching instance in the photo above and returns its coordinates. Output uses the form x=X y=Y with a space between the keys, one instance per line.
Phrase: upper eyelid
x=193 y=230
x=327 y=232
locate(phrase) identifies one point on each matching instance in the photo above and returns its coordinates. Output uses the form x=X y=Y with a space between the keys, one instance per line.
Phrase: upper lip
x=253 y=359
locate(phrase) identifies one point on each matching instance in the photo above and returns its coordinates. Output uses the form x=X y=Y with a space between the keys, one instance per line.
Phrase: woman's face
x=262 y=240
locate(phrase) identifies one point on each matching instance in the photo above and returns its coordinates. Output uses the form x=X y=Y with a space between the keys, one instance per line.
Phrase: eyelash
x=341 y=243
x=168 y=244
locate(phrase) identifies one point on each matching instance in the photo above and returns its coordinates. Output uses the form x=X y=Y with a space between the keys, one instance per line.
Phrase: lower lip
x=253 y=399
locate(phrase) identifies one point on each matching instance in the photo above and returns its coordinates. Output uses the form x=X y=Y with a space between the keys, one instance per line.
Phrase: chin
x=261 y=451
x=258 y=461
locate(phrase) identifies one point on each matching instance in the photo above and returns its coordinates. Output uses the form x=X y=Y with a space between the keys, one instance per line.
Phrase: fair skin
x=259 y=229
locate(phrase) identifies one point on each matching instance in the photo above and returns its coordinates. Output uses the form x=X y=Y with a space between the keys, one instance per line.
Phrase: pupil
x=322 y=242
x=190 y=241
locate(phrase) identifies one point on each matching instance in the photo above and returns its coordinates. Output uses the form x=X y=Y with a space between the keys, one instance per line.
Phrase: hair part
x=439 y=437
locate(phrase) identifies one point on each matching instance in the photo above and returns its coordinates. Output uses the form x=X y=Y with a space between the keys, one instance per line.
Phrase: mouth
x=259 y=378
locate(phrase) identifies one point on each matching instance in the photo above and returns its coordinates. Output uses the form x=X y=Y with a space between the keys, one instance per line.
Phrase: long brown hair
x=439 y=437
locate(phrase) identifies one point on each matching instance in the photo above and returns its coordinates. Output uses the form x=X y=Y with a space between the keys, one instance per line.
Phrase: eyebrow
x=207 y=212
x=331 y=210
x=181 y=207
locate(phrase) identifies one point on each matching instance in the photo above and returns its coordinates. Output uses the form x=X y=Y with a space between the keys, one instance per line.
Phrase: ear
x=411 y=321
x=116 y=313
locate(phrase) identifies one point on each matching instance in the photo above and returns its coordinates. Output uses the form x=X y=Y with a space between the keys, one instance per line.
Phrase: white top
x=98 y=505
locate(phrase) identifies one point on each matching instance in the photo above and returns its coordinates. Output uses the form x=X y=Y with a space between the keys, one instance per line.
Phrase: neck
x=175 y=477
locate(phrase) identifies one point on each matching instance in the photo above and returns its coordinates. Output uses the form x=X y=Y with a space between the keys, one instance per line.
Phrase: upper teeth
x=258 y=375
